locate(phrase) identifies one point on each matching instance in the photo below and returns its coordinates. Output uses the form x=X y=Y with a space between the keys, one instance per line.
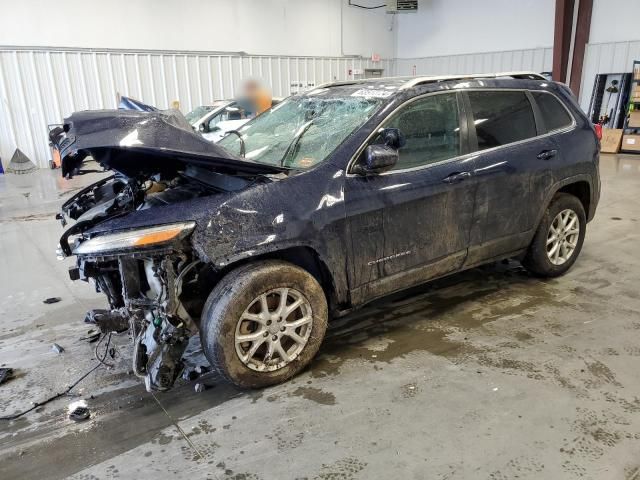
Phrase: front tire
x=263 y=323
x=559 y=238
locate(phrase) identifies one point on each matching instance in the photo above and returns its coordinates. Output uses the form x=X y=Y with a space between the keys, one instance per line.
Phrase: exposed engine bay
x=155 y=283
x=157 y=294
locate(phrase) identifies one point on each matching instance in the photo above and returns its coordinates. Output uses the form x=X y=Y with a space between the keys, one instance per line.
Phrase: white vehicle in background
x=216 y=120
x=222 y=127
x=204 y=113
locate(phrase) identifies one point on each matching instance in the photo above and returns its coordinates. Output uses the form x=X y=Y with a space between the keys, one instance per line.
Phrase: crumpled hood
x=136 y=142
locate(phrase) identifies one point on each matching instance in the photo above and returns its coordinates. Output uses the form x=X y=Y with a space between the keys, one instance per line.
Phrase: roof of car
x=402 y=83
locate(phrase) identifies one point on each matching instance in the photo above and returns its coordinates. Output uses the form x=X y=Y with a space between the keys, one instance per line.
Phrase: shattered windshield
x=301 y=131
x=197 y=113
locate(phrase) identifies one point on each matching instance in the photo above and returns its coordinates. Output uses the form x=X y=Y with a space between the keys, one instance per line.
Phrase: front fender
x=304 y=211
x=231 y=236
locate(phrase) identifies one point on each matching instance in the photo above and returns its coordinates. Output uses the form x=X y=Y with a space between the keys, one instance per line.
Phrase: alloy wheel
x=274 y=329
x=562 y=237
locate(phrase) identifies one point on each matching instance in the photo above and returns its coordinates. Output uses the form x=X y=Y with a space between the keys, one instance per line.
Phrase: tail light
x=598 y=129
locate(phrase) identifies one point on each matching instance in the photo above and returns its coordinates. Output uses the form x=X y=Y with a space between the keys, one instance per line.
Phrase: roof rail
x=441 y=78
x=413 y=81
x=338 y=83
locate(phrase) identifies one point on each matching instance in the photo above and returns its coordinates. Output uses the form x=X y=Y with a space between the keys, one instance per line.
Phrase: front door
x=412 y=223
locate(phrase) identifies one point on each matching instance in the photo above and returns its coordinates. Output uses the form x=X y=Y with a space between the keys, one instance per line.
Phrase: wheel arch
x=580 y=189
x=304 y=257
x=579 y=186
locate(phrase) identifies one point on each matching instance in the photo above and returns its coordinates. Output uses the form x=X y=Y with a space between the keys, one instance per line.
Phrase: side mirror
x=393 y=137
x=376 y=159
x=203 y=128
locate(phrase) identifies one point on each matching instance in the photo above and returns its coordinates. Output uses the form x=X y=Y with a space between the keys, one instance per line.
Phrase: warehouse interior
x=490 y=372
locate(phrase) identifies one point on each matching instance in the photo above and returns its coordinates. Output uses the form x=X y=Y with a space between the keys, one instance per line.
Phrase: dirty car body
x=328 y=194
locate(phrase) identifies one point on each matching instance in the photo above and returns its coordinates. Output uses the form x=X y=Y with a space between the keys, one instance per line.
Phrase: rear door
x=412 y=223
x=556 y=122
x=503 y=132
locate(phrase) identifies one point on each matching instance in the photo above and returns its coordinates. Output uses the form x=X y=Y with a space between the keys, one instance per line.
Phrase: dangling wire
x=106 y=350
x=73 y=385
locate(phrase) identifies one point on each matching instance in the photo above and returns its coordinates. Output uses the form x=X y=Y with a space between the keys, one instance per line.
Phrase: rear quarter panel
x=577 y=159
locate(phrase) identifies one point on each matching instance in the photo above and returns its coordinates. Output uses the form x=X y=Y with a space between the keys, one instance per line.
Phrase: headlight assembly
x=133 y=239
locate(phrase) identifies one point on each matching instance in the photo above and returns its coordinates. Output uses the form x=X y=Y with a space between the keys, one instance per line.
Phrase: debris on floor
x=5 y=374
x=37 y=405
x=57 y=348
x=78 y=411
x=51 y=300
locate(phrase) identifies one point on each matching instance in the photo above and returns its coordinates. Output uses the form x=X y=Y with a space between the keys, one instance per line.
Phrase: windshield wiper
x=294 y=143
x=242 y=146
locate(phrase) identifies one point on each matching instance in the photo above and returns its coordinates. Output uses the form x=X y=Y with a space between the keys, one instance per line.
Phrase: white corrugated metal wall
x=536 y=60
x=41 y=86
x=615 y=57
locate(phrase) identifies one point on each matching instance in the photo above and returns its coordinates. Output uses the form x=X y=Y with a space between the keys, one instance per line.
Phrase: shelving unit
x=631 y=131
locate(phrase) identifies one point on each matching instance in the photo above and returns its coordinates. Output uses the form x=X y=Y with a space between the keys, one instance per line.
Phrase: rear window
x=554 y=115
x=501 y=117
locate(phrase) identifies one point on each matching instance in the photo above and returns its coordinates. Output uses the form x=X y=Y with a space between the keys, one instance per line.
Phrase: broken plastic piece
x=51 y=300
x=57 y=348
x=5 y=374
x=79 y=414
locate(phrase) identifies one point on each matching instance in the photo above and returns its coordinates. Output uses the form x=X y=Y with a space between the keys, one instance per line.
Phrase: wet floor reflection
x=416 y=319
x=420 y=319
x=619 y=164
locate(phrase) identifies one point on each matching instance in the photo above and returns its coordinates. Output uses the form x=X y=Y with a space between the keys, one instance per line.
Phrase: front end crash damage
x=131 y=232
x=155 y=287
x=156 y=296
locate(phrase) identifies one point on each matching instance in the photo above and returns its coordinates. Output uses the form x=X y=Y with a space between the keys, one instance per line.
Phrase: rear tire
x=558 y=241
x=281 y=311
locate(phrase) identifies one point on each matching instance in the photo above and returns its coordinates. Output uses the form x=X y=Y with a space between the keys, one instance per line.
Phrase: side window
x=555 y=116
x=430 y=127
x=232 y=112
x=213 y=121
x=501 y=117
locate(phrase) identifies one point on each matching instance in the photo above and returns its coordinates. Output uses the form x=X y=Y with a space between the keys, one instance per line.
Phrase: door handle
x=456 y=177
x=547 y=154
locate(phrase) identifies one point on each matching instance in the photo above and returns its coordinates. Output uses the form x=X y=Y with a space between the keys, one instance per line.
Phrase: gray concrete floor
x=489 y=374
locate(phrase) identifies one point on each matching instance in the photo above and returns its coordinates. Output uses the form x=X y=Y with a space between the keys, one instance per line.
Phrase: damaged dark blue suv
x=343 y=194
